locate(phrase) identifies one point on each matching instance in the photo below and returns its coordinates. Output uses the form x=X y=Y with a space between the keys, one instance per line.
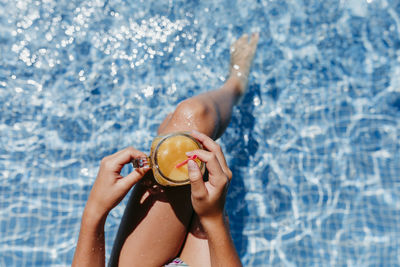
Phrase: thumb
x=197 y=185
x=134 y=177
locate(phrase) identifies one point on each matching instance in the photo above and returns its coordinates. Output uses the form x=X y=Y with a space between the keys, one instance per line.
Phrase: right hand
x=208 y=198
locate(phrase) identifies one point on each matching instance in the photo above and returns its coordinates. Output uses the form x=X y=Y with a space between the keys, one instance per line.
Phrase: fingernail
x=191 y=165
x=189 y=153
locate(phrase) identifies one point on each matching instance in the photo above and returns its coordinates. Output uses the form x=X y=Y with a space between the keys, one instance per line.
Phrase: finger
x=211 y=161
x=197 y=186
x=206 y=141
x=212 y=164
x=122 y=157
x=129 y=149
x=212 y=146
x=207 y=159
x=134 y=177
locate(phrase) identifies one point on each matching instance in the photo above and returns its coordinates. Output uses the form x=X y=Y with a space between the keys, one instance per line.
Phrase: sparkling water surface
x=314 y=145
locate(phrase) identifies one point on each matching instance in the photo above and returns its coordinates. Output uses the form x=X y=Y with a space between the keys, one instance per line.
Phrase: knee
x=193 y=114
x=194 y=109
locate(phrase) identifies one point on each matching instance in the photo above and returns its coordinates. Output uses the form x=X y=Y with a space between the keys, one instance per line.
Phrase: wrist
x=210 y=223
x=93 y=217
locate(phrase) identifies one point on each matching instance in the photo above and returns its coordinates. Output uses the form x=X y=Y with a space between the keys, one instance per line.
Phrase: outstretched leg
x=155 y=223
x=215 y=107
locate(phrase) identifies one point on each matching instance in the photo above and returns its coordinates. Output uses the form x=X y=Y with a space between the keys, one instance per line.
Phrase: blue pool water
x=314 y=146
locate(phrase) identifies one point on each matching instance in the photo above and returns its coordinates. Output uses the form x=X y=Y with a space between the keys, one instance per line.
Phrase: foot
x=242 y=53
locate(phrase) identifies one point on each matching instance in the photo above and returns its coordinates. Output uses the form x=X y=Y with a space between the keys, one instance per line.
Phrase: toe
x=254 y=40
x=242 y=40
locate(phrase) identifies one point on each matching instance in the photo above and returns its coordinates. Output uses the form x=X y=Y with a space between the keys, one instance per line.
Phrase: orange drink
x=166 y=157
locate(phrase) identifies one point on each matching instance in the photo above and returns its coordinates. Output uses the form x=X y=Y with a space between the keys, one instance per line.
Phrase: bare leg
x=155 y=224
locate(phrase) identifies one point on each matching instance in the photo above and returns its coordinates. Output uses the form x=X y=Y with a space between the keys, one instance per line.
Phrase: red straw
x=186 y=161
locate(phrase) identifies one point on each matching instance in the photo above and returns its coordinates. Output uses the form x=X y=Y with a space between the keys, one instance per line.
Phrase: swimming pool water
x=314 y=146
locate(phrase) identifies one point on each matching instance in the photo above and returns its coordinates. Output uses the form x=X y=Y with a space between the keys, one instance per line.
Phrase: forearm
x=222 y=249
x=90 y=250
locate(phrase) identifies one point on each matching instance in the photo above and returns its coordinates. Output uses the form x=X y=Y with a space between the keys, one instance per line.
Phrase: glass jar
x=167 y=154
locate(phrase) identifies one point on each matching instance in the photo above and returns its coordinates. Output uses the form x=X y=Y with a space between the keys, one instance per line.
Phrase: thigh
x=153 y=227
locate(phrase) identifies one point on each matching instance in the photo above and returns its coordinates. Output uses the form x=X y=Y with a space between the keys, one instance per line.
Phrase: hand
x=110 y=187
x=208 y=198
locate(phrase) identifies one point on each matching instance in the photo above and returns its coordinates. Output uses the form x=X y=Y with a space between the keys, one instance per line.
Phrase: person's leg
x=155 y=223
x=195 y=251
x=215 y=107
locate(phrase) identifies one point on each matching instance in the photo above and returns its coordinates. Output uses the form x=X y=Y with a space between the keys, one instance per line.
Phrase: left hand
x=110 y=186
x=208 y=198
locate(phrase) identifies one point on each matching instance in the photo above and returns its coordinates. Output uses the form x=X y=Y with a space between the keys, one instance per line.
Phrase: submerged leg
x=155 y=224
